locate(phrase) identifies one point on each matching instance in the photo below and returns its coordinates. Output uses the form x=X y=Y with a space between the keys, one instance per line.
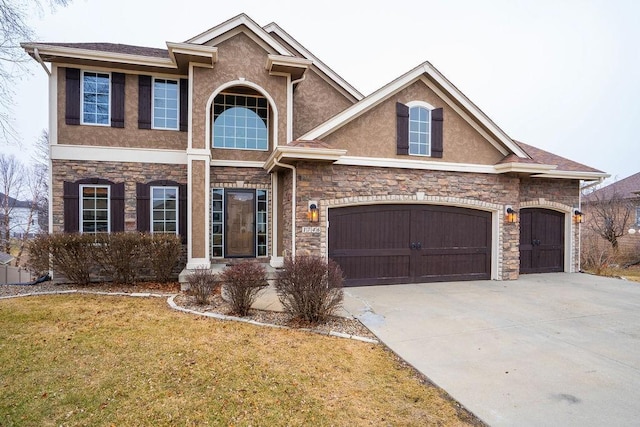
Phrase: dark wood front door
x=541 y=241
x=240 y=223
x=387 y=244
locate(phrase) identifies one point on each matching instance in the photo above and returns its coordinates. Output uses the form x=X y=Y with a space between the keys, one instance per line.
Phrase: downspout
x=36 y=55
x=293 y=205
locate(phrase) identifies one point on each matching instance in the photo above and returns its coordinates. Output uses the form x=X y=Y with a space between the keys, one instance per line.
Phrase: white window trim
x=153 y=104
x=429 y=107
x=266 y=219
x=82 y=122
x=222 y=222
x=177 y=208
x=81 y=199
x=213 y=123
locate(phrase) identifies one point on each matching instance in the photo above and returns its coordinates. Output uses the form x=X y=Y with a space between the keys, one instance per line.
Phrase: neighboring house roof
x=5 y=258
x=627 y=188
x=15 y=203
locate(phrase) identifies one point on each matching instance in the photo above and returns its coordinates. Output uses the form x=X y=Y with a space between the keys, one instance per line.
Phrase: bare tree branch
x=13 y=60
x=611 y=215
x=11 y=182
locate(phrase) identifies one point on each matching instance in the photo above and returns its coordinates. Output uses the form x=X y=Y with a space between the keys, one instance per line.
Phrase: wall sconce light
x=313 y=213
x=511 y=215
x=578 y=217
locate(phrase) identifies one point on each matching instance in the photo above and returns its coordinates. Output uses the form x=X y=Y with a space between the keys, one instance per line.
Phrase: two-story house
x=247 y=145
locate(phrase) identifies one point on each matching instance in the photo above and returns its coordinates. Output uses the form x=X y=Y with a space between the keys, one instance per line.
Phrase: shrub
x=202 y=282
x=310 y=288
x=596 y=255
x=242 y=283
x=72 y=255
x=38 y=260
x=120 y=255
x=163 y=254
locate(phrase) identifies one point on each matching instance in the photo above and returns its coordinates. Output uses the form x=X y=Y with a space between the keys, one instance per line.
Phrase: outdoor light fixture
x=313 y=213
x=578 y=217
x=511 y=215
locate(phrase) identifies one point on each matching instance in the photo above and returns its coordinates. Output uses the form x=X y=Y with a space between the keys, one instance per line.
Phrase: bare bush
x=596 y=254
x=202 y=283
x=39 y=249
x=163 y=254
x=120 y=255
x=310 y=288
x=242 y=284
x=72 y=255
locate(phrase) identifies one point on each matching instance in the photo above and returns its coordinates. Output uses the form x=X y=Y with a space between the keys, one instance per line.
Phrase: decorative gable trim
x=233 y=24
x=384 y=93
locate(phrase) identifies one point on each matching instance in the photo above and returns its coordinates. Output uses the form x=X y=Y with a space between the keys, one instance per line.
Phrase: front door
x=541 y=241
x=240 y=223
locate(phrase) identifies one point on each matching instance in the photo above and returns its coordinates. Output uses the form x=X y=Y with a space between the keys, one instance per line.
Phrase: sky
x=561 y=75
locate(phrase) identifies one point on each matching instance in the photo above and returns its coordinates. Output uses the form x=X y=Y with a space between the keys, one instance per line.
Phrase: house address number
x=310 y=229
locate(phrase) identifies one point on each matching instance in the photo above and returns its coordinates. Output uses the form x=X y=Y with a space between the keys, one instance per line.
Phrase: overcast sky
x=561 y=75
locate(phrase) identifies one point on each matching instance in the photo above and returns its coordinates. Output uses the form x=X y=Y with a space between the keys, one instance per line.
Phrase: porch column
x=198 y=208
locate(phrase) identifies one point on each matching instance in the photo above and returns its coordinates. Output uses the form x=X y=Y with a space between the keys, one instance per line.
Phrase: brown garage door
x=386 y=244
x=541 y=241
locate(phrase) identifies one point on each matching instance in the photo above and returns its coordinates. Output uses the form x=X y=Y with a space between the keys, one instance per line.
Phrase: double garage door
x=386 y=244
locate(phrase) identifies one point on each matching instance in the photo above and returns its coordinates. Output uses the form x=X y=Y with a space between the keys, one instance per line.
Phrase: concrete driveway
x=548 y=349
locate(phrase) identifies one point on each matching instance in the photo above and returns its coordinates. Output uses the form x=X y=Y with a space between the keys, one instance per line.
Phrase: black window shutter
x=72 y=89
x=142 y=208
x=184 y=104
x=117 y=100
x=71 y=207
x=182 y=214
x=144 y=102
x=437 y=120
x=117 y=207
x=402 y=130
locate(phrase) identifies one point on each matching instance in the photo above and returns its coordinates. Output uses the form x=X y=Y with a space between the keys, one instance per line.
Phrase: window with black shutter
x=144 y=207
x=144 y=102
x=402 y=124
x=117 y=100
x=100 y=201
x=72 y=97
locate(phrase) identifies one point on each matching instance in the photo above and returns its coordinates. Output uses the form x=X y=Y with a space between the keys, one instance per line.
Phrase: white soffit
x=232 y=24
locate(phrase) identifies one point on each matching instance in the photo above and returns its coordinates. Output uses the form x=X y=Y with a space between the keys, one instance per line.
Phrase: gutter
x=36 y=55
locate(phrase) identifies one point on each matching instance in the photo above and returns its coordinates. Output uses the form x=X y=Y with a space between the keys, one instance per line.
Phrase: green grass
x=96 y=360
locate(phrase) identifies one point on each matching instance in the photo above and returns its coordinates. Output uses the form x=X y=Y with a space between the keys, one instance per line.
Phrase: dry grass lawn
x=98 y=360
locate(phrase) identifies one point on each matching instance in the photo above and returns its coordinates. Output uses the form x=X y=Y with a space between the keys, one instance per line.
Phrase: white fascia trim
x=208 y=52
x=53 y=105
x=289 y=61
x=275 y=28
x=96 y=55
x=236 y=163
x=235 y=22
x=524 y=167
x=199 y=152
x=415 y=164
x=585 y=176
x=118 y=154
x=289 y=110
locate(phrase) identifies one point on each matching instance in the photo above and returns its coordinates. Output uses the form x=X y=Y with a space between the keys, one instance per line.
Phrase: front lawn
x=102 y=360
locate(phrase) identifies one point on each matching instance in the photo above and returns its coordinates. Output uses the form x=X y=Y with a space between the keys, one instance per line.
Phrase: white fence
x=10 y=275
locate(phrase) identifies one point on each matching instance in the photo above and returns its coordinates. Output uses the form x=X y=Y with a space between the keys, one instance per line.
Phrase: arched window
x=241 y=120
x=420 y=131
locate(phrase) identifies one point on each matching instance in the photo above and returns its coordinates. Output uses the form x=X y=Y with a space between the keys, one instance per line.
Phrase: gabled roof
x=627 y=188
x=116 y=48
x=495 y=135
x=304 y=52
x=234 y=23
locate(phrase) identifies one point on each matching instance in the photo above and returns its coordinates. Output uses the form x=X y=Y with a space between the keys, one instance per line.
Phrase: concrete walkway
x=545 y=350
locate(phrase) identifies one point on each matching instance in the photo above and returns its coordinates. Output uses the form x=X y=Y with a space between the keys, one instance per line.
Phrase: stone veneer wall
x=335 y=185
x=130 y=173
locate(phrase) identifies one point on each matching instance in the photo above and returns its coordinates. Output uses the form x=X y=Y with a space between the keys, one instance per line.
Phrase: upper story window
x=96 y=95
x=420 y=131
x=240 y=121
x=165 y=104
x=164 y=210
x=94 y=209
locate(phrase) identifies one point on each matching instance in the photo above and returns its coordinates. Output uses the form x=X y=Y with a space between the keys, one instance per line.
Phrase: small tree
x=611 y=215
x=12 y=177
x=242 y=283
x=310 y=288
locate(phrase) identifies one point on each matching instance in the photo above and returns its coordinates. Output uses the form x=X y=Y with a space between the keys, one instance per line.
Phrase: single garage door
x=541 y=241
x=387 y=244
